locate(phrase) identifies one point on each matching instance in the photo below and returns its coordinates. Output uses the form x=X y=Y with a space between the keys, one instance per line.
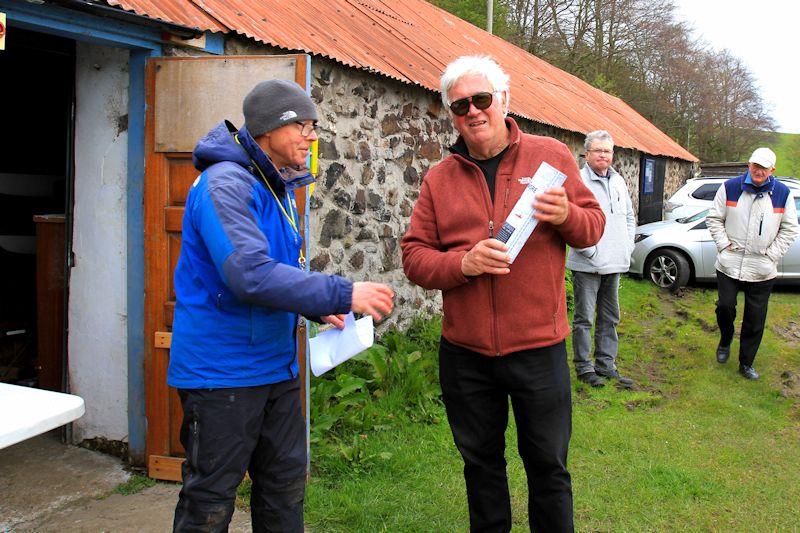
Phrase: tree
x=636 y=49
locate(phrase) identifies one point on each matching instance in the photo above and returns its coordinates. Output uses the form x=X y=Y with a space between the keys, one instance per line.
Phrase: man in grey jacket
x=596 y=270
x=753 y=222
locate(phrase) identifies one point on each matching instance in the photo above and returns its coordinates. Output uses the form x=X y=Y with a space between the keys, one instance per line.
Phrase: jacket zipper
x=760 y=224
x=490 y=211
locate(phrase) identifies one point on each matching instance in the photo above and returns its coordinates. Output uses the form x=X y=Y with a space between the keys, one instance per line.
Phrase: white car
x=694 y=196
x=698 y=194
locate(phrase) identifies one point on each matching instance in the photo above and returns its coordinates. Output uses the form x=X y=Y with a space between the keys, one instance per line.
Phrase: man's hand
x=372 y=299
x=334 y=320
x=552 y=206
x=489 y=256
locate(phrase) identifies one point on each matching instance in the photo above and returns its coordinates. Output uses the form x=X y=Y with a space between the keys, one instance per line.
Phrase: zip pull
x=491 y=229
x=761 y=224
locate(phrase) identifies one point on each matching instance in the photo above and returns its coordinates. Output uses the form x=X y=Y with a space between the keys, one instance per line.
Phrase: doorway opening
x=36 y=171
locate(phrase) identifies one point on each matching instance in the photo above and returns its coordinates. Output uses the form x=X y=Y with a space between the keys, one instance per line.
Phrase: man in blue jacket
x=240 y=287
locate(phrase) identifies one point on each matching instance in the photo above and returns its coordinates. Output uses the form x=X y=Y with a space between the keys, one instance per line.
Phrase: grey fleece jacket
x=613 y=253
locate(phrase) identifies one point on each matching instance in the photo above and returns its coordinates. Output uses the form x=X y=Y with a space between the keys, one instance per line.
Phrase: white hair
x=597 y=135
x=476 y=66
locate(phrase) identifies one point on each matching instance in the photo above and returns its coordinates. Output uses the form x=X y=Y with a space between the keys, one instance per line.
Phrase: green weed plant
x=393 y=381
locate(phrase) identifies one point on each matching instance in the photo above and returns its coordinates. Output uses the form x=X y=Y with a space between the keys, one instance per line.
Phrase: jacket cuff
x=455 y=267
x=345 y=297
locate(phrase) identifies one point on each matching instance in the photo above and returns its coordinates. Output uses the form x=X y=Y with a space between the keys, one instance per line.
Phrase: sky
x=766 y=36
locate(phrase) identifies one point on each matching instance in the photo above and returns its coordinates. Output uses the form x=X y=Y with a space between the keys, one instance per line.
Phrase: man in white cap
x=753 y=222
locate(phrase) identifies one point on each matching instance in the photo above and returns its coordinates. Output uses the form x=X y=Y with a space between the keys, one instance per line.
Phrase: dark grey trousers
x=595 y=294
x=476 y=390
x=227 y=432
x=756 y=303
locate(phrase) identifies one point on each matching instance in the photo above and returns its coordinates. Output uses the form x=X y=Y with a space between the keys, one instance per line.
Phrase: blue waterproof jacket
x=238 y=285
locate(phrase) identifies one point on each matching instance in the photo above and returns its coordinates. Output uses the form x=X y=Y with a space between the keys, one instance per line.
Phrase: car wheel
x=668 y=269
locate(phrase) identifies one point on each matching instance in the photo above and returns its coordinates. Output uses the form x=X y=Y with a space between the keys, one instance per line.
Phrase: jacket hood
x=217 y=146
x=220 y=145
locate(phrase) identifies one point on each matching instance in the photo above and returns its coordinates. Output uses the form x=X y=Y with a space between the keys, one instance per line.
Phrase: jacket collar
x=749 y=186
x=588 y=172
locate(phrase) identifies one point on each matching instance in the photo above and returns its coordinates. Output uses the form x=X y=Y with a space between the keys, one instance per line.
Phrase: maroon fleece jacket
x=498 y=314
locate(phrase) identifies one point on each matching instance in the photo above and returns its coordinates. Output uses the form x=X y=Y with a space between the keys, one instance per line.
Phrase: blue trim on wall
x=47 y=18
x=137 y=422
x=215 y=43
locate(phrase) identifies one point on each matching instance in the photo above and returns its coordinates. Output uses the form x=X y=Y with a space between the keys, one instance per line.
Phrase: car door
x=790 y=263
x=708 y=251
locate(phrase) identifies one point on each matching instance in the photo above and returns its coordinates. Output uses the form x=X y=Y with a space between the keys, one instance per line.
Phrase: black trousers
x=227 y=432
x=476 y=389
x=756 y=302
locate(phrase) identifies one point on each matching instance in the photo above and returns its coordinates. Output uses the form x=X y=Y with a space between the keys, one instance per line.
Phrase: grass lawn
x=694 y=447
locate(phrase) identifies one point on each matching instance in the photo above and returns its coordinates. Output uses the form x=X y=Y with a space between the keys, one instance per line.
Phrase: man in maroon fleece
x=504 y=324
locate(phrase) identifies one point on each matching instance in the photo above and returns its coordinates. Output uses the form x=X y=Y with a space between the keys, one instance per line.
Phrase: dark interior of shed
x=37 y=92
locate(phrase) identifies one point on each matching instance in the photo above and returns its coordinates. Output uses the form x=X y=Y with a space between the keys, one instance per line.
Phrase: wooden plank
x=163 y=339
x=164 y=467
x=182 y=175
x=189 y=101
x=173 y=219
x=156 y=287
x=169 y=312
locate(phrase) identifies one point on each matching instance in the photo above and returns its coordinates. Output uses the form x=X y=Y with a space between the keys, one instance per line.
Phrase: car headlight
x=640 y=237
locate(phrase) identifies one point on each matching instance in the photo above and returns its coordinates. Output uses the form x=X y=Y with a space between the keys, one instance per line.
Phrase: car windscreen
x=693 y=218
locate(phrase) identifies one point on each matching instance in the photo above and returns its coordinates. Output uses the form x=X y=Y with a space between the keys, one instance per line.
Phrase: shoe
x=592 y=379
x=748 y=371
x=613 y=374
x=723 y=352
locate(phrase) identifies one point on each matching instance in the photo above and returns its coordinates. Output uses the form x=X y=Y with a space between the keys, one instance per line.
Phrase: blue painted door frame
x=143 y=42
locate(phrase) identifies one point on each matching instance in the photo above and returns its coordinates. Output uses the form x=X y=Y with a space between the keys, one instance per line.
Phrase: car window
x=797 y=207
x=706 y=191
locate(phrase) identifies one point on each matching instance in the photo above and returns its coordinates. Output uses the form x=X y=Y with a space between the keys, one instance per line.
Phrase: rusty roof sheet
x=412 y=41
x=181 y=12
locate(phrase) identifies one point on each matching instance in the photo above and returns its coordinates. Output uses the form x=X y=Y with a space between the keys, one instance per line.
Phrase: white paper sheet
x=335 y=346
x=520 y=222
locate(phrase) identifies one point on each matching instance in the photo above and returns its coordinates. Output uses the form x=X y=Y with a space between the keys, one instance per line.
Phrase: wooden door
x=186 y=97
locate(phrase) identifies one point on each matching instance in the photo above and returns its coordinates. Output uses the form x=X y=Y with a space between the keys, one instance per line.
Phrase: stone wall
x=676 y=175
x=377 y=139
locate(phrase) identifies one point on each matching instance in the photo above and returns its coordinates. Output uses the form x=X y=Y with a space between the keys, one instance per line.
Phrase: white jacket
x=613 y=253
x=752 y=228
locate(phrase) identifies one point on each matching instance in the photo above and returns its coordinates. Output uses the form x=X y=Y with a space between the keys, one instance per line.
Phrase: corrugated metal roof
x=181 y=12
x=412 y=41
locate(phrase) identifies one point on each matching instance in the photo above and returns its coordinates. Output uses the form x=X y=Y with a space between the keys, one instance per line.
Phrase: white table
x=26 y=412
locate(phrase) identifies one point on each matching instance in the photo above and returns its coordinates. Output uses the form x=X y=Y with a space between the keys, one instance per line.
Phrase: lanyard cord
x=289 y=216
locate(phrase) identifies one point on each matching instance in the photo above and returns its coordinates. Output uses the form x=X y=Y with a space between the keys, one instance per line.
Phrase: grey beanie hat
x=275 y=103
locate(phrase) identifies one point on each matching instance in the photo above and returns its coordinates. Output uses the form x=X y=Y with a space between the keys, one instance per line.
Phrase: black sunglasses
x=479 y=100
